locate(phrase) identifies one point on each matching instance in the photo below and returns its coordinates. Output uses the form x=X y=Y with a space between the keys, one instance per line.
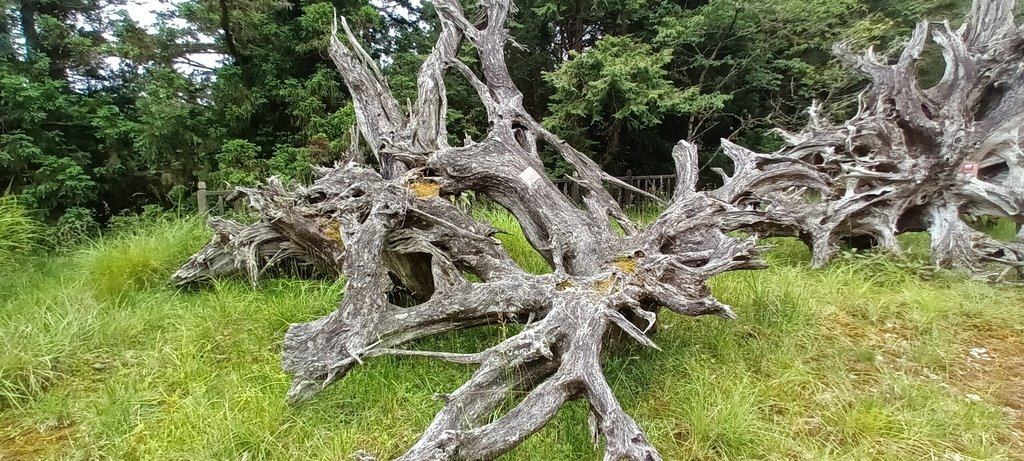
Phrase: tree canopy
x=100 y=114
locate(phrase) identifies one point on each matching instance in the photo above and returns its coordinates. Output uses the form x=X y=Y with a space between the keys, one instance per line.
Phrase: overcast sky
x=143 y=10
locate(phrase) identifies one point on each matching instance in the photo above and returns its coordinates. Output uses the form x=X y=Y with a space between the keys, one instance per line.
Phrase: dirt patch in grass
x=993 y=367
x=35 y=443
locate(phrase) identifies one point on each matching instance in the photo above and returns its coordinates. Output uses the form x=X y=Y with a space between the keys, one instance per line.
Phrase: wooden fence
x=205 y=196
x=660 y=185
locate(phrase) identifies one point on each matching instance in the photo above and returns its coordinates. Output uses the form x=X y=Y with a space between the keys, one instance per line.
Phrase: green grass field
x=870 y=358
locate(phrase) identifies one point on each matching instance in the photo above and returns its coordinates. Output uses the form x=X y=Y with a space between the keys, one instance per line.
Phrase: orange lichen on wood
x=625 y=264
x=333 y=231
x=604 y=285
x=424 y=189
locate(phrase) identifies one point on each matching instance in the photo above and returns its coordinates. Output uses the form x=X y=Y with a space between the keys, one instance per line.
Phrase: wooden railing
x=660 y=185
x=204 y=196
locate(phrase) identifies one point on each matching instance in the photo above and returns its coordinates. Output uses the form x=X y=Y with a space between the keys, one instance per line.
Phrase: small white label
x=529 y=176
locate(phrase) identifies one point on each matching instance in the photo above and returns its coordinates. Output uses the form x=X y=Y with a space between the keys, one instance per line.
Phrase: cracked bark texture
x=407 y=253
x=915 y=158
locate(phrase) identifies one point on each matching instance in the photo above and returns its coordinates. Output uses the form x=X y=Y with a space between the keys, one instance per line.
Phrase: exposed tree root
x=916 y=158
x=394 y=231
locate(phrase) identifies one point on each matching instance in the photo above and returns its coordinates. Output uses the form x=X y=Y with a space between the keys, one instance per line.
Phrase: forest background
x=101 y=115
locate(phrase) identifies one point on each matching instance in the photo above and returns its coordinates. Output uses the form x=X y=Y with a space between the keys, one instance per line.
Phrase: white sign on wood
x=529 y=176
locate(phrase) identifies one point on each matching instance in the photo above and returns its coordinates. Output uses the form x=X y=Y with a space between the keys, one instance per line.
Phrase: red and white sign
x=970 y=168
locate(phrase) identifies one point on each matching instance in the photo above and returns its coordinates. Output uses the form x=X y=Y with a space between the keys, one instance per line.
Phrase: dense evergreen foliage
x=99 y=114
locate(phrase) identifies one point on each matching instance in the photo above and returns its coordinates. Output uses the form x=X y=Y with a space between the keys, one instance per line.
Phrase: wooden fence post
x=627 y=199
x=201 y=197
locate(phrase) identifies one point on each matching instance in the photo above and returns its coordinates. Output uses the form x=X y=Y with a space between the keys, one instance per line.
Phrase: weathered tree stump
x=915 y=158
x=393 y=230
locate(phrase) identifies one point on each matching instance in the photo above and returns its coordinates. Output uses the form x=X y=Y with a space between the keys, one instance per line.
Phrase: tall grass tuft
x=141 y=257
x=62 y=314
x=19 y=233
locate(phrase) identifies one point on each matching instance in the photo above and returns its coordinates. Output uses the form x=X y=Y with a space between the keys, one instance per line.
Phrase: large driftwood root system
x=916 y=158
x=415 y=265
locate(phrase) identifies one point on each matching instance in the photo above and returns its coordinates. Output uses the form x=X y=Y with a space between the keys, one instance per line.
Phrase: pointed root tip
x=301 y=390
x=725 y=311
x=363 y=456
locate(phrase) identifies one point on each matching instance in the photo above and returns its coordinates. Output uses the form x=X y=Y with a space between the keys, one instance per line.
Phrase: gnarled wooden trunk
x=393 y=230
x=916 y=158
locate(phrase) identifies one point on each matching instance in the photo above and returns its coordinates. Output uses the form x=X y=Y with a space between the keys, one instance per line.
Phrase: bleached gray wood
x=394 y=232
x=896 y=165
x=374 y=229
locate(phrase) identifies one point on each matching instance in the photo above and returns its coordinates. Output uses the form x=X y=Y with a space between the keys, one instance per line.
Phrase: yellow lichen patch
x=333 y=231
x=563 y=285
x=604 y=285
x=424 y=189
x=625 y=264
